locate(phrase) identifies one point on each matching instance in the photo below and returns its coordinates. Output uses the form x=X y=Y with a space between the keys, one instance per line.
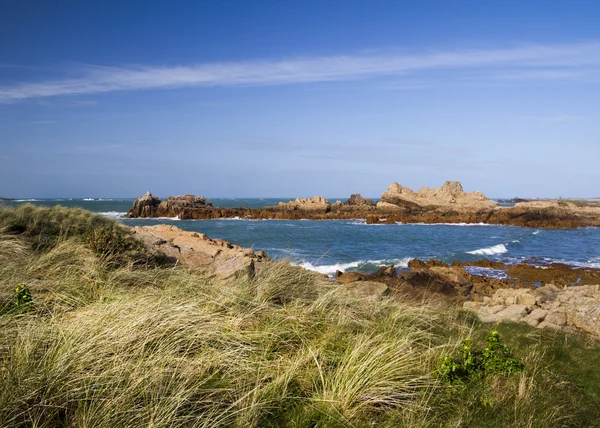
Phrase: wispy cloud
x=550 y=118
x=552 y=61
x=34 y=122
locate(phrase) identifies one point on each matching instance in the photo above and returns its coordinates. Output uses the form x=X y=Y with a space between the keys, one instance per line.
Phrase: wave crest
x=490 y=251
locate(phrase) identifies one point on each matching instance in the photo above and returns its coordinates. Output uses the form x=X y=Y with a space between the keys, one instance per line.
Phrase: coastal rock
x=570 y=308
x=364 y=289
x=145 y=206
x=358 y=201
x=348 y=277
x=318 y=203
x=213 y=257
x=183 y=207
x=447 y=204
x=450 y=194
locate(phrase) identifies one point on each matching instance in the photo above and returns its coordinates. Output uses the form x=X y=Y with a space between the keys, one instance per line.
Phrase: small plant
x=22 y=297
x=475 y=363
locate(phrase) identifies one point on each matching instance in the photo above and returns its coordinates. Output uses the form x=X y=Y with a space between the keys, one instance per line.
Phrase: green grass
x=115 y=338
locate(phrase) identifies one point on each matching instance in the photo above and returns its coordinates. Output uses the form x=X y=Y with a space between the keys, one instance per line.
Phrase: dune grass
x=114 y=338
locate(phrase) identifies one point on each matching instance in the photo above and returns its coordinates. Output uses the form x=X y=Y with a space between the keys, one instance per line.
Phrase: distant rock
x=173 y=206
x=318 y=203
x=145 y=206
x=358 y=201
x=451 y=194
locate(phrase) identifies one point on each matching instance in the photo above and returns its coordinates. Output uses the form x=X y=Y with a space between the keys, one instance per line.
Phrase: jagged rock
x=450 y=194
x=173 y=206
x=212 y=256
x=357 y=200
x=145 y=206
x=318 y=203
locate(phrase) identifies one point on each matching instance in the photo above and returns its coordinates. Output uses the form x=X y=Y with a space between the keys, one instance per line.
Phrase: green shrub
x=474 y=363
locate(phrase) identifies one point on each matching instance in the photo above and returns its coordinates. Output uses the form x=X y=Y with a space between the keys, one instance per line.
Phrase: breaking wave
x=361 y=265
x=113 y=214
x=490 y=251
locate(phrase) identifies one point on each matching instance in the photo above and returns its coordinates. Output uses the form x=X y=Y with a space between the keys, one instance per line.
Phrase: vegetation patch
x=144 y=344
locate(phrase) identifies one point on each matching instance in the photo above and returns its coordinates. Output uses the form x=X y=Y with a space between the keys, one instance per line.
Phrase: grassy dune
x=112 y=337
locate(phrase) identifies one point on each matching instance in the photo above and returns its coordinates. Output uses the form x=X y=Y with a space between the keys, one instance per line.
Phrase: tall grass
x=130 y=344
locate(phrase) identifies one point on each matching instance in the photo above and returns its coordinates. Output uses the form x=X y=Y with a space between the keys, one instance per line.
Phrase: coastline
x=448 y=204
x=553 y=297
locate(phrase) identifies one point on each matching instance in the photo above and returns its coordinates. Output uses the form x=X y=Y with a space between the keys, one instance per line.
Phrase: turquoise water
x=328 y=245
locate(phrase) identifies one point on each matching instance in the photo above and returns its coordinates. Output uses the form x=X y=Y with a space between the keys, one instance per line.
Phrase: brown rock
x=211 y=256
x=357 y=200
x=365 y=289
x=348 y=277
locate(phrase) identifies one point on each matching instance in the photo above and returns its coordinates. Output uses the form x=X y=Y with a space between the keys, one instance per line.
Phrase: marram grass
x=106 y=344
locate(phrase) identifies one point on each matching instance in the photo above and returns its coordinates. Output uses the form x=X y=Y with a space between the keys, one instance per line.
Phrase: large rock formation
x=145 y=206
x=451 y=194
x=318 y=203
x=173 y=206
x=214 y=257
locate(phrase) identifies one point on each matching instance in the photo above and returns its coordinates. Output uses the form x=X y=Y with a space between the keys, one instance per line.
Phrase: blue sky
x=297 y=98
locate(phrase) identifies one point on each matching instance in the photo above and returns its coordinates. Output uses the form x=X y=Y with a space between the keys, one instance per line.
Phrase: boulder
x=348 y=277
x=213 y=257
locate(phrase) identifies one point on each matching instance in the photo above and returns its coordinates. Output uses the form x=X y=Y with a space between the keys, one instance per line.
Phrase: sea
x=346 y=245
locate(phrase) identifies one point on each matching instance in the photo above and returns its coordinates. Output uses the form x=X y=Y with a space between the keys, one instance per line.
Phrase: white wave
x=490 y=251
x=113 y=214
x=26 y=200
x=343 y=267
x=536 y=232
x=595 y=262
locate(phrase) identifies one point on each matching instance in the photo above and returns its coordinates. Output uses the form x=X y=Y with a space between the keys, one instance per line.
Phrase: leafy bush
x=474 y=363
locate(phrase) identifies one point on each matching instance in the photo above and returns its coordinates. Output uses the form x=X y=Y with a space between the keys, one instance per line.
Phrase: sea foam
x=113 y=214
x=361 y=265
x=490 y=251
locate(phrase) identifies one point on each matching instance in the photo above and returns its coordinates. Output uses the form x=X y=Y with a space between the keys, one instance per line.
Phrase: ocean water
x=329 y=245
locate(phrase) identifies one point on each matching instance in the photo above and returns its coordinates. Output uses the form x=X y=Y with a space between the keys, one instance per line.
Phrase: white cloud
x=524 y=62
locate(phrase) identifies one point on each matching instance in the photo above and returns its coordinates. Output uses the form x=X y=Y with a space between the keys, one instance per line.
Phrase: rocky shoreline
x=557 y=296
x=446 y=204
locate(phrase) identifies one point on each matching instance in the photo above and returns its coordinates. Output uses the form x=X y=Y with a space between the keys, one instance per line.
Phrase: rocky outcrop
x=356 y=200
x=316 y=204
x=574 y=307
x=451 y=194
x=447 y=204
x=145 y=206
x=173 y=206
x=213 y=257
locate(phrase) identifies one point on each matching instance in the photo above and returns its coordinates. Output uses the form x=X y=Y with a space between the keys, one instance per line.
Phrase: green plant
x=22 y=297
x=474 y=363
